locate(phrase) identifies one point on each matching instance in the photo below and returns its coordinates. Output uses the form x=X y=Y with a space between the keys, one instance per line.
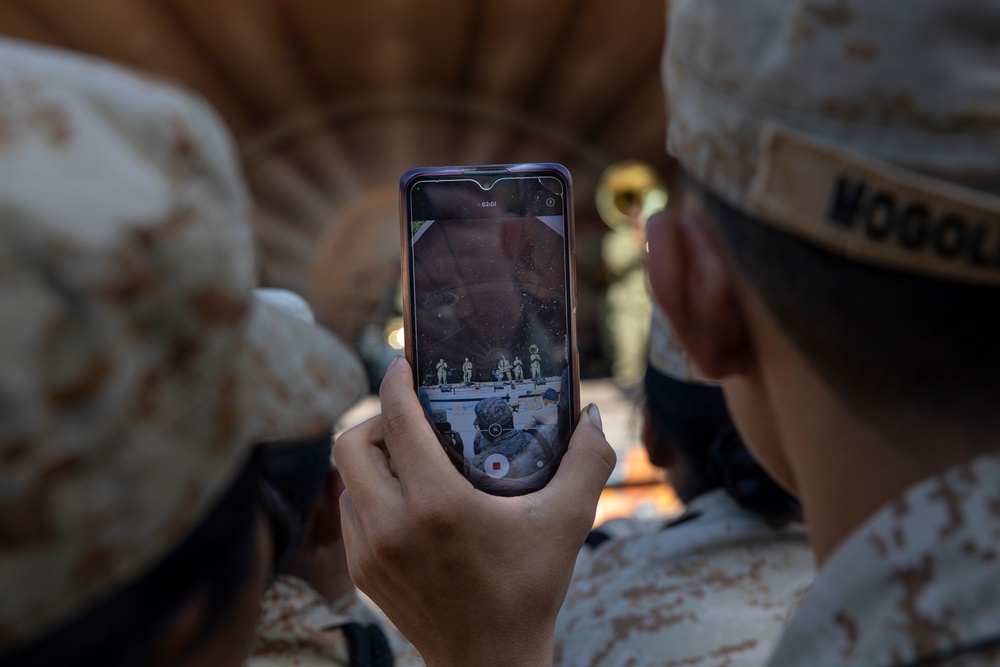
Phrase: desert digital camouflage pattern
x=713 y=588
x=136 y=366
x=619 y=528
x=870 y=128
x=916 y=584
x=299 y=628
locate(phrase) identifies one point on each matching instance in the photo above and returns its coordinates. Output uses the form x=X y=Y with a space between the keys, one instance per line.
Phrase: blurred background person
x=720 y=579
x=312 y=614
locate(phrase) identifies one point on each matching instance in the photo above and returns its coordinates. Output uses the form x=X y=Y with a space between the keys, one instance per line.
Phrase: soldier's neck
x=843 y=468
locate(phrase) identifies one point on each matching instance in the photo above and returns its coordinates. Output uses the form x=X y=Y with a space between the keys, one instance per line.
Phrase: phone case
x=495 y=432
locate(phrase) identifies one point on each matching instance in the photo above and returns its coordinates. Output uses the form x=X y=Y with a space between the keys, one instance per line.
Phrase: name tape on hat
x=875 y=212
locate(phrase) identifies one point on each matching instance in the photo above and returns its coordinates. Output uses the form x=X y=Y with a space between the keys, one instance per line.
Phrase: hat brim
x=298 y=378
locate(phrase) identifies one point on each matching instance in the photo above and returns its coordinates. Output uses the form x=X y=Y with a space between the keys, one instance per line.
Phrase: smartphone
x=489 y=300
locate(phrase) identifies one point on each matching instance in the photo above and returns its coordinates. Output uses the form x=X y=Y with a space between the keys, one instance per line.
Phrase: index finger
x=419 y=459
x=362 y=464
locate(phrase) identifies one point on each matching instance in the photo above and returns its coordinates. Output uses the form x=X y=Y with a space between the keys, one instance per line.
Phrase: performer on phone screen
x=503 y=369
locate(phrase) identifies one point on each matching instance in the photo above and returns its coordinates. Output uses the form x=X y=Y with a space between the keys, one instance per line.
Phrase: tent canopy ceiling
x=330 y=101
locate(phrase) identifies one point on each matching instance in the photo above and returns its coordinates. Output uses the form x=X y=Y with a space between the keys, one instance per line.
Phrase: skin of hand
x=469 y=578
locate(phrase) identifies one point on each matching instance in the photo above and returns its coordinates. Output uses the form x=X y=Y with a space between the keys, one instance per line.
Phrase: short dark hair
x=216 y=560
x=297 y=471
x=695 y=421
x=882 y=339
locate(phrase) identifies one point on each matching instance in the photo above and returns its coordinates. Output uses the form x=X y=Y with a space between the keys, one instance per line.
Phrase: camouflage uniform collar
x=715 y=505
x=299 y=627
x=916 y=584
x=294 y=614
x=716 y=502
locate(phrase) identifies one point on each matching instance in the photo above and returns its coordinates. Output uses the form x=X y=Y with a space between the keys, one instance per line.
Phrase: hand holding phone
x=469 y=578
x=489 y=315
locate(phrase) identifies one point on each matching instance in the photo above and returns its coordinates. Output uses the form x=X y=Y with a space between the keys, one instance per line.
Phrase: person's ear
x=695 y=285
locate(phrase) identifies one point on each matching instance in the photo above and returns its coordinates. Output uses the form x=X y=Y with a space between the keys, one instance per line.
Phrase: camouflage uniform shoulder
x=298 y=627
x=916 y=584
x=721 y=583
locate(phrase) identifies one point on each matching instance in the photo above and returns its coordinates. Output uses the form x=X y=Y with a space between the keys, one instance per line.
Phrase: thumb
x=585 y=468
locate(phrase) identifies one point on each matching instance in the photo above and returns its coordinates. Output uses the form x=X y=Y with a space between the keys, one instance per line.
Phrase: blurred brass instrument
x=628 y=192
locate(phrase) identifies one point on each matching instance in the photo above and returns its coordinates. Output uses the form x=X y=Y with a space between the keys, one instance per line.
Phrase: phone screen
x=491 y=320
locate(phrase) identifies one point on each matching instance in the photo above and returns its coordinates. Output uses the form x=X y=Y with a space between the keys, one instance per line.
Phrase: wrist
x=496 y=650
x=496 y=658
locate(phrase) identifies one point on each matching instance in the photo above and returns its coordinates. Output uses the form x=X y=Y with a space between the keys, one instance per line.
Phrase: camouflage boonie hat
x=494 y=410
x=136 y=365
x=870 y=128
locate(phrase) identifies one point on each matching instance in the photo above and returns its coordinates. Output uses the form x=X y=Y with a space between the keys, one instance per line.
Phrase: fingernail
x=395 y=360
x=595 y=415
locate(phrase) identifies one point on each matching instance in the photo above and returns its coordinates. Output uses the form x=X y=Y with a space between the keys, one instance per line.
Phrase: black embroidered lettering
x=950 y=236
x=880 y=217
x=845 y=201
x=979 y=255
x=913 y=225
